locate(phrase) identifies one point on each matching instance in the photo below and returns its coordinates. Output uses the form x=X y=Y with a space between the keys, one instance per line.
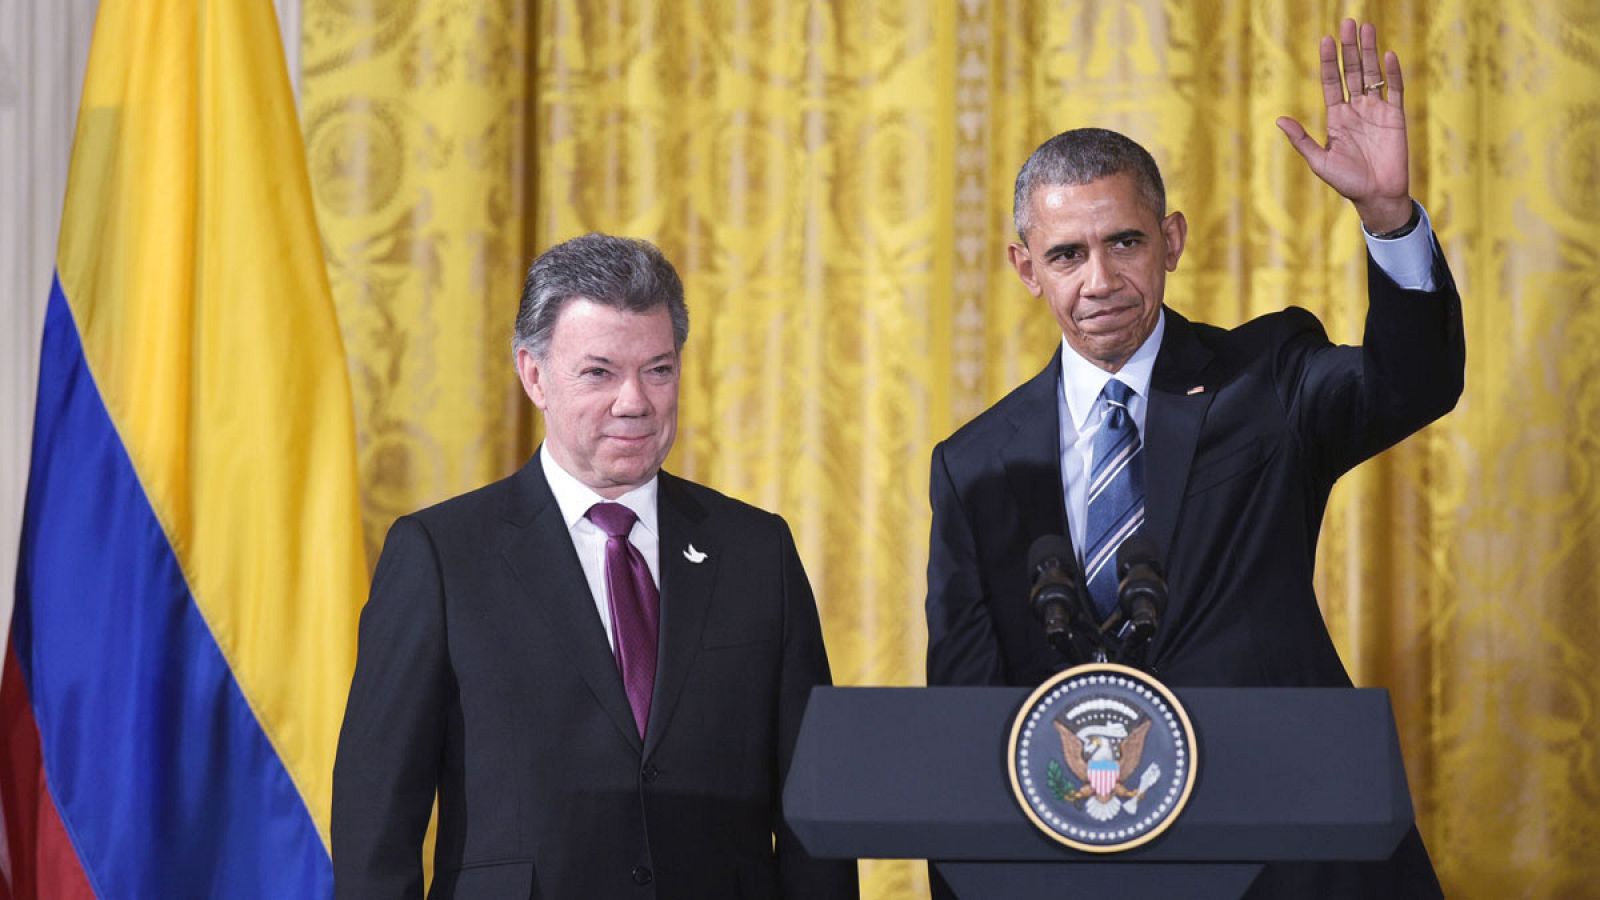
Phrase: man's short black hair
x=1080 y=156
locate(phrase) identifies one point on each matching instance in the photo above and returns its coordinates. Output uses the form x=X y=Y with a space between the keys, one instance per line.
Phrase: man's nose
x=1099 y=278
x=631 y=399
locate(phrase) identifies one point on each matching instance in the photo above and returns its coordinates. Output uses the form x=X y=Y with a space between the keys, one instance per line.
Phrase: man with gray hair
x=1218 y=446
x=598 y=667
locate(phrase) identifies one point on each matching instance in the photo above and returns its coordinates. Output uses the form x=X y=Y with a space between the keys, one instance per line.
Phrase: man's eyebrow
x=1113 y=238
x=1058 y=249
x=606 y=361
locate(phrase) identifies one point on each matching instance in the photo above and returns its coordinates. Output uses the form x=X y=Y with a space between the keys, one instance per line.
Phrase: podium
x=1284 y=774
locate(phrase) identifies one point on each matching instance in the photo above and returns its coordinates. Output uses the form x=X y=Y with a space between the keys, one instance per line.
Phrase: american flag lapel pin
x=1197 y=389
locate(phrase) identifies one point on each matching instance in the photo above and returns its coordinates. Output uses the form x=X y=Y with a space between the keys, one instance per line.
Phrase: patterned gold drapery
x=833 y=181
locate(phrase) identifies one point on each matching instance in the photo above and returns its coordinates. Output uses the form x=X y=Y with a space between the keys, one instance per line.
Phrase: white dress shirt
x=575 y=498
x=1407 y=260
x=1081 y=412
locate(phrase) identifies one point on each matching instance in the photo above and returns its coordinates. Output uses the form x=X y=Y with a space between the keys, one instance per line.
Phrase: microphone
x=1141 y=590
x=1056 y=596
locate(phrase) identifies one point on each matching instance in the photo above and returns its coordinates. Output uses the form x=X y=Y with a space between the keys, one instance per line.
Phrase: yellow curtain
x=833 y=181
x=415 y=127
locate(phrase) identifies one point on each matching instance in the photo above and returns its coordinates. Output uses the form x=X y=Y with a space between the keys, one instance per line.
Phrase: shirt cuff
x=1408 y=261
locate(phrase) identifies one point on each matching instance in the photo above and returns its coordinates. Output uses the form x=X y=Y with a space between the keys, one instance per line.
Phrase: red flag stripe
x=44 y=863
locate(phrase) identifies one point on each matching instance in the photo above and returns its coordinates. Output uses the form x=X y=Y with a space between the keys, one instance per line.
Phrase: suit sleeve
x=1352 y=403
x=386 y=771
x=804 y=666
x=963 y=648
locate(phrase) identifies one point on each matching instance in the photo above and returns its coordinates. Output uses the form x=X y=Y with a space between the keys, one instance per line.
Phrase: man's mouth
x=1108 y=317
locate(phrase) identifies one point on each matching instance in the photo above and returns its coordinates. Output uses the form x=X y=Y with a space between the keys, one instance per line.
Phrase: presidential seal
x=1102 y=758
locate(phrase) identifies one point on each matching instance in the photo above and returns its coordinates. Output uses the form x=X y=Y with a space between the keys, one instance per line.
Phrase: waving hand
x=1366 y=157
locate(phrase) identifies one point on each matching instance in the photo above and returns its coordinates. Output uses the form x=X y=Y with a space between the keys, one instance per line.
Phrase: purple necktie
x=635 y=607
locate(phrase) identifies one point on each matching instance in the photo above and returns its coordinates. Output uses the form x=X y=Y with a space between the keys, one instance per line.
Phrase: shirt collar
x=574 y=497
x=1082 y=381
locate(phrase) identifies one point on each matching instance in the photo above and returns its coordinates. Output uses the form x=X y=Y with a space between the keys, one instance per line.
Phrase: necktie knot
x=1117 y=395
x=614 y=519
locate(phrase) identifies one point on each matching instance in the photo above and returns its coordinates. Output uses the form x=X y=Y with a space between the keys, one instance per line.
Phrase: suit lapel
x=686 y=589
x=541 y=555
x=1032 y=457
x=1172 y=428
x=1172 y=425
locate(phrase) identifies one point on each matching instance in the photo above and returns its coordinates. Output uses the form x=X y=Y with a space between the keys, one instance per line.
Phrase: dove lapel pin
x=694 y=556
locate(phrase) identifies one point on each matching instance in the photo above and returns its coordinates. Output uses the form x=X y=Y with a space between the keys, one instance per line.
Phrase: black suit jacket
x=1245 y=433
x=484 y=672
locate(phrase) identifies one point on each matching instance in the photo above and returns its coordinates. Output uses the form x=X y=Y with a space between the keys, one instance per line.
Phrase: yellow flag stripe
x=190 y=257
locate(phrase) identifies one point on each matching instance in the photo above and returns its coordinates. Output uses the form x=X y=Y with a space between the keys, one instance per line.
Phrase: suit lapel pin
x=694 y=556
x=1197 y=389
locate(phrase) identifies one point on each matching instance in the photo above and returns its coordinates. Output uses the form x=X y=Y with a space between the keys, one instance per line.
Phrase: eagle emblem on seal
x=1103 y=752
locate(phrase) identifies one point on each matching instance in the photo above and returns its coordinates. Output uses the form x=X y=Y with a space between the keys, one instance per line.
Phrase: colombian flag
x=191 y=565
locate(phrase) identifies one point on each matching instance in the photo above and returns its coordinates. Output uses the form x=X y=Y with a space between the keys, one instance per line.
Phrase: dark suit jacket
x=1237 y=476
x=484 y=672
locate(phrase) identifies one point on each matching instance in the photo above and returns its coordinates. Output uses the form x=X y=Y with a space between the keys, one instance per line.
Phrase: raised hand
x=1366 y=157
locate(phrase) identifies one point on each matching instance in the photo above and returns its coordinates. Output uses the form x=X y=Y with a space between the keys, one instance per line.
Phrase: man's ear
x=533 y=374
x=1022 y=261
x=1175 y=229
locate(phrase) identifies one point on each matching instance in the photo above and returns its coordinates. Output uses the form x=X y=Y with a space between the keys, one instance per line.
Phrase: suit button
x=650 y=772
x=642 y=875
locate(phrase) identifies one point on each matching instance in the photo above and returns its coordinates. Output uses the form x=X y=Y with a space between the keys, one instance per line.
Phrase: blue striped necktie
x=1116 y=495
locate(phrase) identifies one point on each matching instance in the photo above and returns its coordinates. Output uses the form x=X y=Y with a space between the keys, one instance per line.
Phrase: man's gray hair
x=1079 y=157
x=622 y=273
